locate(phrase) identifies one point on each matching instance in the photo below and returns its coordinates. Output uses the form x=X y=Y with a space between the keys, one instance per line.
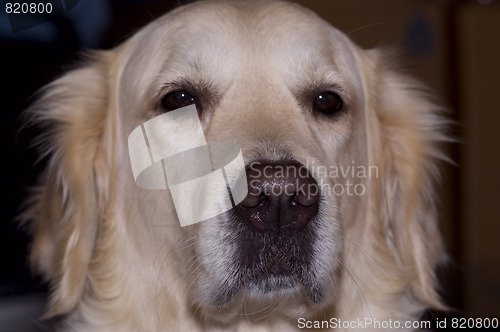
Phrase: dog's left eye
x=177 y=99
x=328 y=103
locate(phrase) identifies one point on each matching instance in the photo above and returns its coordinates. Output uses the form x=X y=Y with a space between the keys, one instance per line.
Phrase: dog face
x=309 y=110
x=288 y=106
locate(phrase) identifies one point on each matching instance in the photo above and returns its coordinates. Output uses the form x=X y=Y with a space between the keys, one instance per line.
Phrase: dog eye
x=328 y=103
x=177 y=99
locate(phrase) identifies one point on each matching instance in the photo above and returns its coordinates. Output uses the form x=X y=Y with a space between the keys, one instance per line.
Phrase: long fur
x=115 y=264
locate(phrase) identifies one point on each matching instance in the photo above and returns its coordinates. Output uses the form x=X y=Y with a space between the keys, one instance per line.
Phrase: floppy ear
x=405 y=130
x=66 y=208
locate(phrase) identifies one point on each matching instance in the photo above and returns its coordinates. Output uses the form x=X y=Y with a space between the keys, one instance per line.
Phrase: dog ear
x=65 y=210
x=405 y=131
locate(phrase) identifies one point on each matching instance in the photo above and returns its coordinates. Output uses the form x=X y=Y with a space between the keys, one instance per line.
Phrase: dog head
x=340 y=153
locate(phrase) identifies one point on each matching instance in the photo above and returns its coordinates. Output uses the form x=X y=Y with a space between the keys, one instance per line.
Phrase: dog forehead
x=225 y=41
x=217 y=27
x=260 y=34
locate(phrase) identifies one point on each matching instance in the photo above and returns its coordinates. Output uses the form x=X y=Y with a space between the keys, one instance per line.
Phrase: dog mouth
x=285 y=264
x=269 y=264
x=271 y=235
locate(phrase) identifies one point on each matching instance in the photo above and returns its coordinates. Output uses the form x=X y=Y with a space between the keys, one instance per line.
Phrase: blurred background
x=452 y=45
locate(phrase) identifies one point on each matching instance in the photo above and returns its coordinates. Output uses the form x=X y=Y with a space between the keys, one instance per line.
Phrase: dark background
x=453 y=46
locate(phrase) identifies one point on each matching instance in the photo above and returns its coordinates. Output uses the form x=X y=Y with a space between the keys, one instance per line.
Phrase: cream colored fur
x=115 y=255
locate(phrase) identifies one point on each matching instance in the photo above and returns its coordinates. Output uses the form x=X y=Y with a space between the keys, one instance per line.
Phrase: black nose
x=280 y=195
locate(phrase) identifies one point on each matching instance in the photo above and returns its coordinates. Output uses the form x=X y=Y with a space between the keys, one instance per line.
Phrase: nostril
x=304 y=199
x=254 y=200
x=250 y=201
x=263 y=199
x=307 y=194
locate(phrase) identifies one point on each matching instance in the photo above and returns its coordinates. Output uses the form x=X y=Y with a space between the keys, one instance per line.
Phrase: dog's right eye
x=328 y=103
x=177 y=99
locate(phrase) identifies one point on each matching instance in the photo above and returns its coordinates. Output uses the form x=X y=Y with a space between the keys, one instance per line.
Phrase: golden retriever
x=293 y=93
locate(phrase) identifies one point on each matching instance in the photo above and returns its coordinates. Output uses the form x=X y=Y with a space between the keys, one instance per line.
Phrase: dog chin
x=276 y=286
x=260 y=300
x=268 y=291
